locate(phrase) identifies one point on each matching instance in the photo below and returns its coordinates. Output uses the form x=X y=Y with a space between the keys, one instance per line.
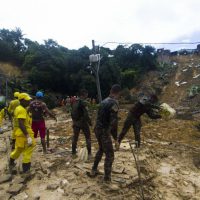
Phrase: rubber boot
x=74 y=152
x=12 y=163
x=137 y=144
x=11 y=166
x=13 y=144
x=73 y=148
x=93 y=173
x=26 y=167
x=107 y=179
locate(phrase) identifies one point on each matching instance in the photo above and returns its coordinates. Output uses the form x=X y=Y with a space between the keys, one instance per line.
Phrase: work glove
x=29 y=141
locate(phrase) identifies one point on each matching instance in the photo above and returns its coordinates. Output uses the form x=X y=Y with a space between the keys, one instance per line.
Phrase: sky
x=75 y=23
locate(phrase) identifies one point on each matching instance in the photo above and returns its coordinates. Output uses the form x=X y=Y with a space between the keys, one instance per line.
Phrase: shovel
x=136 y=158
x=47 y=134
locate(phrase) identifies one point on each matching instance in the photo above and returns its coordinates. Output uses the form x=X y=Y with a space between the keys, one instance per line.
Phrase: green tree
x=129 y=78
x=12 y=46
x=53 y=67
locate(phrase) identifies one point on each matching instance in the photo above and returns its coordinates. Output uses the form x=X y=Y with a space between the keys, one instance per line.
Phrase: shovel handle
x=47 y=134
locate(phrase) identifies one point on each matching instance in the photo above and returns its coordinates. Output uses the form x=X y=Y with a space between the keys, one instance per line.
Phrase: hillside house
x=163 y=56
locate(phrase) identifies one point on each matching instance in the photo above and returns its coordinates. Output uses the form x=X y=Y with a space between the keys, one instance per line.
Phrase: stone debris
x=183 y=83
x=21 y=196
x=64 y=183
x=177 y=83
x=79 y=191
x=36 y=197
x=4 y=196
x=118 y=169
x=196 y=76
x=15 y=189
x=19 y=180
x=5 y=178
x=125 y=146
x=52 y=186
x=119 y=180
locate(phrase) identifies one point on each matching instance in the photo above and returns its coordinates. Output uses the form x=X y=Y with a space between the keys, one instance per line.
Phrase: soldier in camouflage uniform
x=146 y=104
x=107 y=120
x=81 y=121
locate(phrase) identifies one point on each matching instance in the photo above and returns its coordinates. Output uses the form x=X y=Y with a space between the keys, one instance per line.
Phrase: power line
x=150 y=43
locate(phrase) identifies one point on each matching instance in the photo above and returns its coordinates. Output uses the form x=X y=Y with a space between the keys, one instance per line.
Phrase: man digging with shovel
x=146 y=104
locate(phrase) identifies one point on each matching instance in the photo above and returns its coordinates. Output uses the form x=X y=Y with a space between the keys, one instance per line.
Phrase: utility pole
x=95 y=58
x=93 y=47
x=4 y=80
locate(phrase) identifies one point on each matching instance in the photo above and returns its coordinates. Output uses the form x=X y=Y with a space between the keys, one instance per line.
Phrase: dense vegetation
x=53 y=67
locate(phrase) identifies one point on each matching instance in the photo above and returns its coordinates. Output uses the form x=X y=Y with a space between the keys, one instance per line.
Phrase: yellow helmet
x=24 y=96
x=16 y=94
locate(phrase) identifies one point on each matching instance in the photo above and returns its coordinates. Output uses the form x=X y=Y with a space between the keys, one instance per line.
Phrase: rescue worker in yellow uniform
x=11 y=108
x=13 y=104
x=24 y=135
x=3 y=112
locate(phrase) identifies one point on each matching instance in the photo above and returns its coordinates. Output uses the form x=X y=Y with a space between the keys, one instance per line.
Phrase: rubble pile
x=168 y=162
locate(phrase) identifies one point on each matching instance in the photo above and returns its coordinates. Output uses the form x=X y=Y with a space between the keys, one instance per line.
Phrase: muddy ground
x=169 y=162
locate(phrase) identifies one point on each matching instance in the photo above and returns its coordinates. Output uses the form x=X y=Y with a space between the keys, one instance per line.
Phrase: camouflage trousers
x=86 y=131
x=105 y=146
x=131 y=121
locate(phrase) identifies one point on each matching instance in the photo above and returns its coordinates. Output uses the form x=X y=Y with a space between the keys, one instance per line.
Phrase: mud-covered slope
x=177 y=84
x=186 y=75
x=9 y=70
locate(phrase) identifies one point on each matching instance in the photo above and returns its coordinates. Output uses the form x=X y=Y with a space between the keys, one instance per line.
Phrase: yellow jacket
x=22 y=113
x=13 y=104
x=2 y=115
